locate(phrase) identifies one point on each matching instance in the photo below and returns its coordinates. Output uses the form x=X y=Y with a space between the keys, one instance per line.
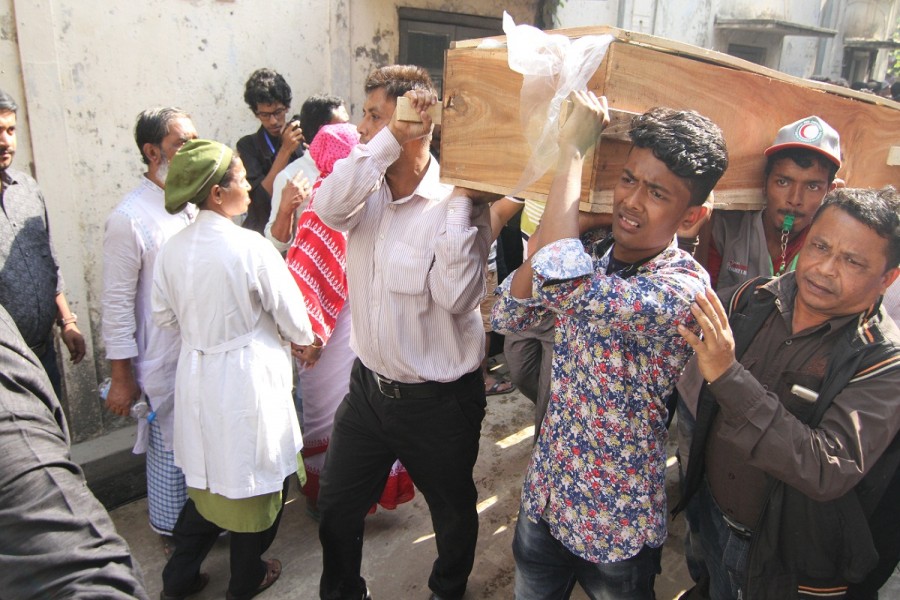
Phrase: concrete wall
x=578 y=13
x=693 y=21
x=11 y=80
x=83 y=69
x=373 y=35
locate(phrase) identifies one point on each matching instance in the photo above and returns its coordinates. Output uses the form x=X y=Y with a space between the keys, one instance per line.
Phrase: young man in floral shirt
x=593 y=502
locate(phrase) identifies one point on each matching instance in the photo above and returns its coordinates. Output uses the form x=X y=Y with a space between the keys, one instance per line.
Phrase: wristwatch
x=72 y=318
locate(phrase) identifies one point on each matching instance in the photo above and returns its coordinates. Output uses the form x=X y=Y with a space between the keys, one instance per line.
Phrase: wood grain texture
x=405 y=112
x=695 y=52
x=484 y=145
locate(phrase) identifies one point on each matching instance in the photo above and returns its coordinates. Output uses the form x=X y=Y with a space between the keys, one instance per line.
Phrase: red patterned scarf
x=318 y=255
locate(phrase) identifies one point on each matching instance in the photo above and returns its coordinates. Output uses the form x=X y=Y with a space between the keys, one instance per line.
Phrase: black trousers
x=436 y=438
x=194 y=537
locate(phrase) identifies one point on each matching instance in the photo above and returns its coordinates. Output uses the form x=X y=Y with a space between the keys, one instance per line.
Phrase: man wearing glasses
x=274 y=145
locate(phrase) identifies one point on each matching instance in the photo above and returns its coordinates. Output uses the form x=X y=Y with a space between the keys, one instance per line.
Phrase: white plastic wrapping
x=553 y=66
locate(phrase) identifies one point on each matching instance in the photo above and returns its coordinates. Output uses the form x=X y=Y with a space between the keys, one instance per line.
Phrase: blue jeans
x=545 y=569
x=725 y=552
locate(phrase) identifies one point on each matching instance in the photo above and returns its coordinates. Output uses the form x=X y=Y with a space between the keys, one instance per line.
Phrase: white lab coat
x=236 y=305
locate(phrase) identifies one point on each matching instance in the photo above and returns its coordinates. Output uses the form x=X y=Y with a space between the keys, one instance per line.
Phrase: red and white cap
x=812 y=133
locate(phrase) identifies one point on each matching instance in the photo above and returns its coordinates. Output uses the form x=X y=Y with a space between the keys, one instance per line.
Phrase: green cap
x=195 y=168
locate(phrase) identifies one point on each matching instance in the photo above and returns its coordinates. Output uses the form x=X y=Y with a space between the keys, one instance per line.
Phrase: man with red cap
x=800 y=169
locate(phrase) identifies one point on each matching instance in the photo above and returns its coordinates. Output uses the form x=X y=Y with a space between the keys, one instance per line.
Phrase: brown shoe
x=273 y=572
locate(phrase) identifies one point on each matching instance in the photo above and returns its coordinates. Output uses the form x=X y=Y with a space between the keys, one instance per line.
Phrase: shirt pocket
x=407 y=269
x=799 y=393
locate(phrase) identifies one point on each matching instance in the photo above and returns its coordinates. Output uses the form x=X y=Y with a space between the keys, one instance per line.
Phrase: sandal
x=273 y=572
x=500 y=386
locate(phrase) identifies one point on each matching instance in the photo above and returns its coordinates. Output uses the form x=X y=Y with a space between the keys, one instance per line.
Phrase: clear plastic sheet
x=553 y=67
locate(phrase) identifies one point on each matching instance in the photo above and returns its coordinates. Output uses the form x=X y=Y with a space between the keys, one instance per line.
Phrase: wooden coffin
x=483 y=145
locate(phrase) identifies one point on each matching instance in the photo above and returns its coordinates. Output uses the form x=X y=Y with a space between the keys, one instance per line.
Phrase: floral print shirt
x=597 y=472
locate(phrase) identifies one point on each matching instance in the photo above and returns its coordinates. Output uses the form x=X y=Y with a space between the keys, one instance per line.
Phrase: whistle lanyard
x=785 y=232
x=782 y=269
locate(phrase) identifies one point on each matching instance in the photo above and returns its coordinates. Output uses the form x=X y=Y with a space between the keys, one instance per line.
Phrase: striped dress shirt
x=415 y=267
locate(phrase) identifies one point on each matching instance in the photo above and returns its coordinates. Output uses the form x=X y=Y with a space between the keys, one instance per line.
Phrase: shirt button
x=731 y=476
x=381 y=236
x=765 y=387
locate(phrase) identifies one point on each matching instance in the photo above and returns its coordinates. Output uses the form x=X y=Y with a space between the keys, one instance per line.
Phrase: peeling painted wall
x=89 y=67
x=83 y=69
x=374 y=39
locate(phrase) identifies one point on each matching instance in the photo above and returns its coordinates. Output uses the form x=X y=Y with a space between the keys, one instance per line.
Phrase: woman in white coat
x=229 y=293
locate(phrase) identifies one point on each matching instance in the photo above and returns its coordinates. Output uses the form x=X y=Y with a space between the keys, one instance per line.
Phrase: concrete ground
x=399 y=545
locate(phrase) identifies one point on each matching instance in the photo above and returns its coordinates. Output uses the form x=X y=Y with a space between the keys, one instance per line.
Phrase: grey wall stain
x=8 y=28
x=377 y=53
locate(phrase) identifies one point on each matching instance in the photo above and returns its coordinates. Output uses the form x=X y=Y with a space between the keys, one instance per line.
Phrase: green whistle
x=788 y=224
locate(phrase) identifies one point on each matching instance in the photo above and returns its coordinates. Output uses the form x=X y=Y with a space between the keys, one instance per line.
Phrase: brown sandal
x=273 y=572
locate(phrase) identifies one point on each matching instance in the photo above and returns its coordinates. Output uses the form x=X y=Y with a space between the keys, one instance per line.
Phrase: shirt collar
x=9 y=177
x=784 y=289
x=150 y=184
x=430 y=187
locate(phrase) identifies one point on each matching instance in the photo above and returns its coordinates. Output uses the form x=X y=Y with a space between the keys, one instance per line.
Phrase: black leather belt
x=426 y=389
x=743 y=532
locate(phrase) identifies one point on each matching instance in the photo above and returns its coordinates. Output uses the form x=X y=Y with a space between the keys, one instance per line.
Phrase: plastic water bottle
x=139 y=409
x=103 y=388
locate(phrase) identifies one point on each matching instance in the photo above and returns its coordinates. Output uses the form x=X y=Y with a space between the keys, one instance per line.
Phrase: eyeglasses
x=277 y=114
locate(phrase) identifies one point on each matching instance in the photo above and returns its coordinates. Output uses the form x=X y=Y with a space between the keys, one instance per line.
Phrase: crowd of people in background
x=886 y=89
x=316 y=304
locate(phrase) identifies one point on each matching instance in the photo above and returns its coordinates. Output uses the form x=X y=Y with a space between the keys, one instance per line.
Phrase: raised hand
x=590 y=115
x=406 y=131
x=715 y=350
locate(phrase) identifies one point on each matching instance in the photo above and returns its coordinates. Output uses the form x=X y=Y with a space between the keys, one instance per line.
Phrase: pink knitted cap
x=332 y=143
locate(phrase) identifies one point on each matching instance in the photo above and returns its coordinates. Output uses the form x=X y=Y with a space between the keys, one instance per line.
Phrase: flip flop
x=500 y=386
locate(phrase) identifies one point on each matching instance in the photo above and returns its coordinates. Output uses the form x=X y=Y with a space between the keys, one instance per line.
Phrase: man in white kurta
x=142 y=355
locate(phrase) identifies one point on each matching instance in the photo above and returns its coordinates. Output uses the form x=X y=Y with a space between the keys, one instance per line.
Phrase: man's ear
x=152 y=152
x=890 y=276
x=694 y=215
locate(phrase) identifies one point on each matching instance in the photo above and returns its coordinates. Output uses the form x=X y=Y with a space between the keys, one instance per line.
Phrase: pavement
x=399 y=545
